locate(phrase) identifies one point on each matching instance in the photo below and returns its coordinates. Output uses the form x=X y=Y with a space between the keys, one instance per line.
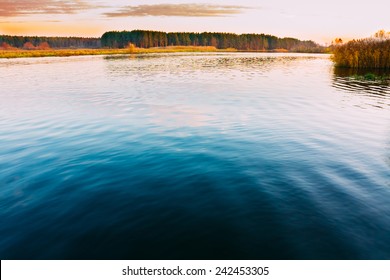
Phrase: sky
x=321 y=21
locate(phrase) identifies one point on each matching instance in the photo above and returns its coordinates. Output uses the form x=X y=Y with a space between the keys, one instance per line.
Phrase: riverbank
x=20 y=53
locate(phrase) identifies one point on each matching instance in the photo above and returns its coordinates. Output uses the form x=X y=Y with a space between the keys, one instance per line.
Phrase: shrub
x=43 y=46
x=5 y=46
x=131 y=47
x=28 y=46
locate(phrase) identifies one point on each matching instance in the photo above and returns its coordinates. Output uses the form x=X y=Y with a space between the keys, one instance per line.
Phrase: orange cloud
x=12 y=8
x=180 y=10
x=51 y=29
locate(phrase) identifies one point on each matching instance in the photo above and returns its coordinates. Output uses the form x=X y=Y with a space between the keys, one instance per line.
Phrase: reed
x=171 y=49
x=20 y=53
x=364 y=53
x=56 y=52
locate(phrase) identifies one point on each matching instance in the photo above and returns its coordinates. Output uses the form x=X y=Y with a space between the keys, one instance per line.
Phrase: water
x=192 y=156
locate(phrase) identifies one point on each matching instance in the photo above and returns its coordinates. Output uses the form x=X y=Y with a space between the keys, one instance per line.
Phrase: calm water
x=227 y=156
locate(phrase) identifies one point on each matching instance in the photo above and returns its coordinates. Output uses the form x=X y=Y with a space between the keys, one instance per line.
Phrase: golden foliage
x=364 y=53
x=131 y=48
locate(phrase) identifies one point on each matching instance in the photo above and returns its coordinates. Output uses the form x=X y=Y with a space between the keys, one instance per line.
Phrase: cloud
x=178 y=10
x=12 y=8
x=38 y=28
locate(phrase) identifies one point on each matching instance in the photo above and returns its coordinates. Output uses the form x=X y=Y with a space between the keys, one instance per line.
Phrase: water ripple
x=192 y=156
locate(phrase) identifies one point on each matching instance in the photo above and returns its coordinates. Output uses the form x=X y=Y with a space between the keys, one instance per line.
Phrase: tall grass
x=19 y=53
x=173 y=49
x=364 y=53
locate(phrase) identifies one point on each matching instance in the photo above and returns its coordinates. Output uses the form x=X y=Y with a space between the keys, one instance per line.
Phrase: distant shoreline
x=20 y=53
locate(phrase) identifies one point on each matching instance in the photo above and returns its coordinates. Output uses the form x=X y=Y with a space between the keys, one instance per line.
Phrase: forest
x=31 y=42
x=247 y=42
x=148 y=39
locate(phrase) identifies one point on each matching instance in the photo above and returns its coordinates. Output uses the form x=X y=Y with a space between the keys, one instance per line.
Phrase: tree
x=382 y=35
x=131 y=48
x=28 y=46
x=5 y=46
x=43 y=46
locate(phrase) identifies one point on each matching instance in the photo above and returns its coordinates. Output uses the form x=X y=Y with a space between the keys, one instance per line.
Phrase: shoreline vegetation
x=368 y=53
x=145 y=41
x=23 y=53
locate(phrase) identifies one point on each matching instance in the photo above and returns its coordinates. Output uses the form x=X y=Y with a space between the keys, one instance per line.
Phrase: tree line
x=250 y=42
x=148 y=39
x=28 y=42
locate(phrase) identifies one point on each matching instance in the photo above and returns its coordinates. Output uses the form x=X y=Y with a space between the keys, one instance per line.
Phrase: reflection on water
x=156 y=63
x=374 y=93
x=192 y=156
x=350 y=72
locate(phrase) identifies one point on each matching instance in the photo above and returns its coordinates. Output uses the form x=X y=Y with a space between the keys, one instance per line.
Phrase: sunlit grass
x=365 y=53
x=58 y=52
x=181 y=49
x=19 y=53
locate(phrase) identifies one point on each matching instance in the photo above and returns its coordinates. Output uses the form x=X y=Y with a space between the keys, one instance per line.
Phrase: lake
x=192 y=156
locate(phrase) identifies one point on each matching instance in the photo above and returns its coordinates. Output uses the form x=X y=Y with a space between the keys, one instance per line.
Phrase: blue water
x=192 y=156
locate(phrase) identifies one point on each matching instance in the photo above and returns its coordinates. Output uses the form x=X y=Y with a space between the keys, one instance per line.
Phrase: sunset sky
x=320 y=21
